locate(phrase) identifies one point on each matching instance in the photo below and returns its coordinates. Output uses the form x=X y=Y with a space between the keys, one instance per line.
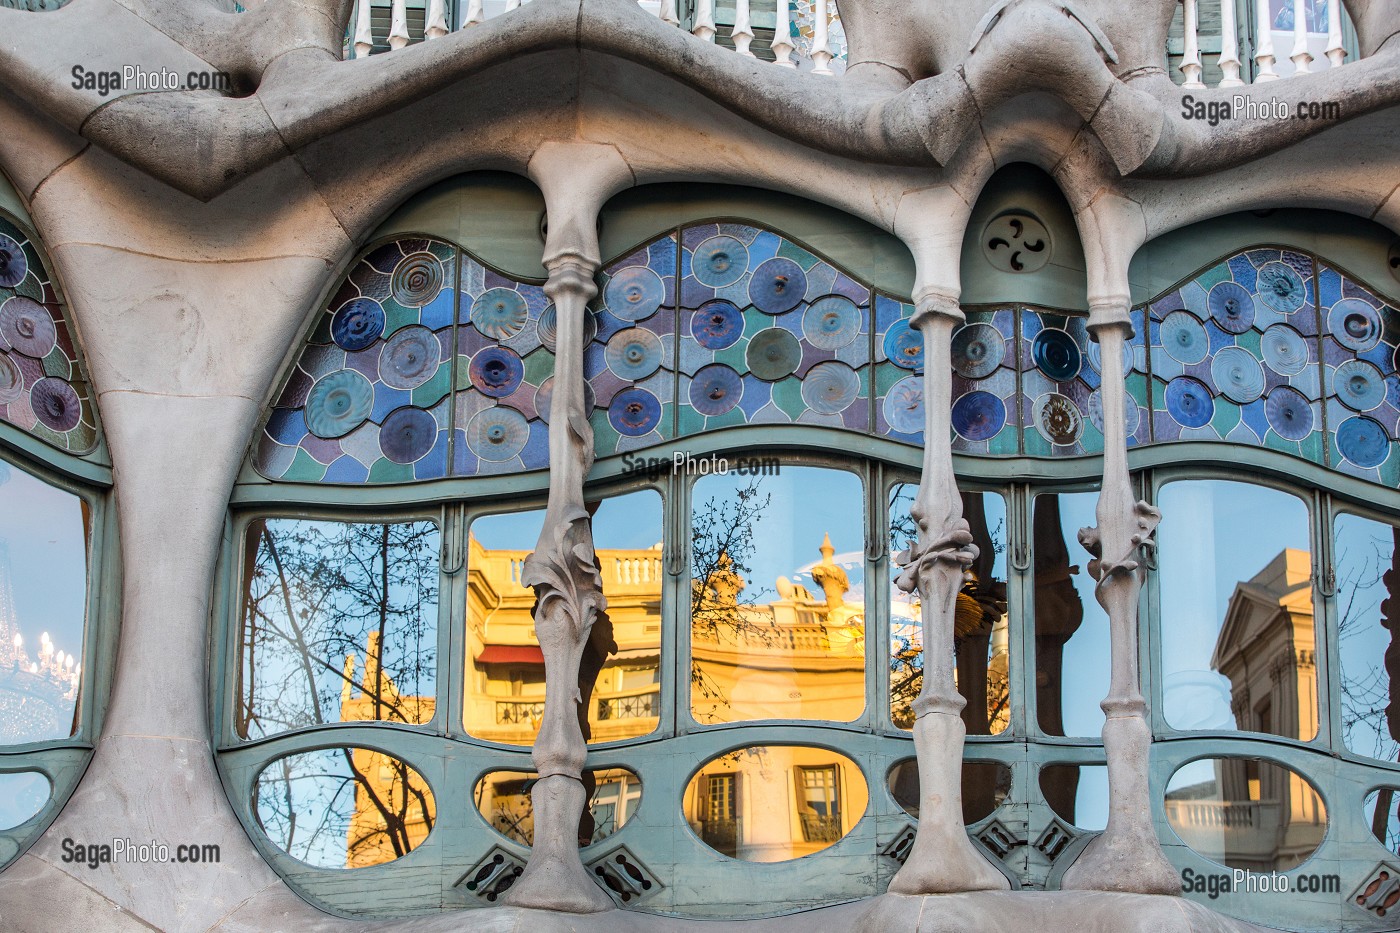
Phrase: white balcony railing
x=801 y=34
x=1289 y=37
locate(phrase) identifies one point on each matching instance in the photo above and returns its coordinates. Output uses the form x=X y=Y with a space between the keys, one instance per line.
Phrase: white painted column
x=668 y=13
x=742 y=33
x=364 y=35
x=1229 y=46
x=782 y=34
x=1191 y=58
x=435 y=24
x=1336 y=53
x=1301 y=57
x=475 y=13
x=398 y=25
x=1264 y=48
x=821 y=39
x=704 y=26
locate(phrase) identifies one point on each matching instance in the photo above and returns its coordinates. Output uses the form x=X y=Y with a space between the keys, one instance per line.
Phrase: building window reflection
x=1237 y=627
x=777 y=602
x=981 y=625
x=1071 y=628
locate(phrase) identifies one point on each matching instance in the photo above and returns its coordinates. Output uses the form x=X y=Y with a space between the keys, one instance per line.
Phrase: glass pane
x=1382 y=810
x=772 y=803
x=22 y=794
x=1237 y=614
x=1071 y=628
x=981 y=637
x=339 y=624
x=503 y=799
x=1365 y=555
x=43 y=605
x=1077 y=793
x=505 y=667
x=625 y=648
x=985 y=784
x=1246 y=813
x=343 y=807
x=778 y=597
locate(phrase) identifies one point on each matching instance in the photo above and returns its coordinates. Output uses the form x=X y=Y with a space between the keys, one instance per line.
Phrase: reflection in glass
x=22 y=795
x=778 y=597
x=772 y=803
x=1071 y=628
x=1365 y=553
x=1246 y=813
x=503 y=799
x=1383 y=816
x=985 y=784
x=339 y=624
x=43 y=595
x=1077 y=793
x=343 y=807
x=1237 y=616
x=619 y=675
x=980 y=626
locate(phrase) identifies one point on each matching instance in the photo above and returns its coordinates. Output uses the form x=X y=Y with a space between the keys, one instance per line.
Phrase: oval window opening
x=1246 y=813
x=1383 y=816
x=503 y=800
x=1077 y=793
x=985 y=784
x=343 y=807
x=773 y=803
x=22 y=795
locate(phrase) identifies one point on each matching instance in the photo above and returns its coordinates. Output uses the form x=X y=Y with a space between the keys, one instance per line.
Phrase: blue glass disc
x=496 y=371
x=715 y=389
x=978 y=350
x=830 y=388
x=13 y=262
x=1289 y=413
x=777 y=285
x=338 y=403
x=499 y=313
x=634 y=412
x=1363 y=441
x=634 y=293
x=407 y=434
x=27 y=326
x=1232 y=307
x=1285 y=351
x=904 y=346
x=1184 y=338
x=633 y=353
x=1281 y=288
x=1354 y=324
x=410 y=357
x=1359 y=385
x=831 y=322
x=357 y=324
x=719 y=261
x=56 y=404
x=717 y=324
x=1189 y=402
x=978 y=416
x=1237 y=374
x=773 y=354
x=904 y=406
x=497 y=433
x=1056 y=354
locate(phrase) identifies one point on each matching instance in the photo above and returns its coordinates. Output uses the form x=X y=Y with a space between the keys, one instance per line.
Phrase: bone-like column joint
x=1127 y=857
x=1229 y=46
x=742 y=33
x=563 y=570
x=943 y=859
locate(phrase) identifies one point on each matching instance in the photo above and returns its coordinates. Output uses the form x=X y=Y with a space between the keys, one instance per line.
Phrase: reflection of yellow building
x=505 y=674
x=796 y=657
x=1261 y=816
x=394 y=809
x=775 y=802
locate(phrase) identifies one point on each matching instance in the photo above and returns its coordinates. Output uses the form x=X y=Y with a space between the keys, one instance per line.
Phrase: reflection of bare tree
x=721 y=545
x=318 y=597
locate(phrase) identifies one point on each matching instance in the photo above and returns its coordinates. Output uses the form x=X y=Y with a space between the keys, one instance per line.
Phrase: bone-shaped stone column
x=1127 y=856
x=563 y=570
x=942 y=859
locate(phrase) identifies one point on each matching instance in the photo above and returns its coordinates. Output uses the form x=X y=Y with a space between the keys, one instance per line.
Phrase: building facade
x=916 y=465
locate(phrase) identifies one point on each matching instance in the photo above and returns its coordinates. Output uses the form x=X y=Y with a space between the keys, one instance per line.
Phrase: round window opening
x=1016 y=241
